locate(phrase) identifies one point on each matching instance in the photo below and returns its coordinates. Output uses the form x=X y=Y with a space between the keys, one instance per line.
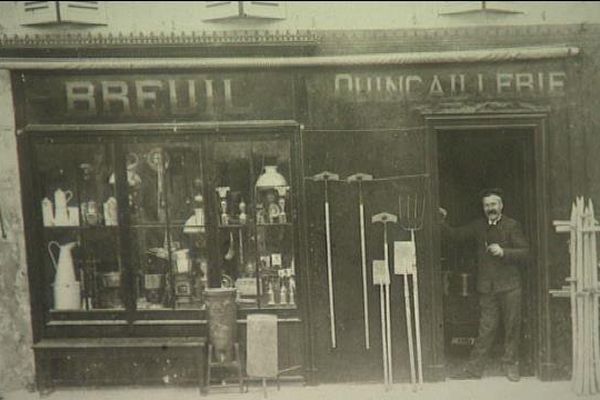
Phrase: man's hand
x=443 y=213
x=495 y=250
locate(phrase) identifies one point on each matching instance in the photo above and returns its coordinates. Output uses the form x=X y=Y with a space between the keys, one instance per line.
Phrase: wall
x=180 y=17
x=16 y=358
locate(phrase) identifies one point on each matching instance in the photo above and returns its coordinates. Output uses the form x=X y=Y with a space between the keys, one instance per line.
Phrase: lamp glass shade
x=270 y=178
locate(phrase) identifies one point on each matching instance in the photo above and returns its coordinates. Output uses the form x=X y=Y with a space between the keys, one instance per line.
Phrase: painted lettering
x=339 y=78
x=436 y=87
x=556 y=81
x=524 y=81
x=80 y=98
x=145 y=92
x=176 y=107
x=503 y=81
x=115 y=93
x=409 y=80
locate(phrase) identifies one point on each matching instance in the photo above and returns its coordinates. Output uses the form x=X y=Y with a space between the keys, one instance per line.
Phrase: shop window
x=465 y=8
x=225 y=10
x=62 y=12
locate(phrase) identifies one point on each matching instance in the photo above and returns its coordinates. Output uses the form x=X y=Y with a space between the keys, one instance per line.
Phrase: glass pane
x=79 y=212
x=168 y=232
x=255 y=231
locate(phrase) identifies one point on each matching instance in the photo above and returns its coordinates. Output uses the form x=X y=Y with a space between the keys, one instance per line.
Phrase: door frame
x=536 y=120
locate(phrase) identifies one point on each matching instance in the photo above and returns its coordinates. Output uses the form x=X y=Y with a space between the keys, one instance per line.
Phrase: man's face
x=492 y=207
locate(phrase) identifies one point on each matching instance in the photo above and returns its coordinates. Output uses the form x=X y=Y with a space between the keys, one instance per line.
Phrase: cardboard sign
x=405 y=257
x=381 y=273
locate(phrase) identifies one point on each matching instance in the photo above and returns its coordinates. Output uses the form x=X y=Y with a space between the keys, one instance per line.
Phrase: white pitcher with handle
x=67 y=293
x=61 y=199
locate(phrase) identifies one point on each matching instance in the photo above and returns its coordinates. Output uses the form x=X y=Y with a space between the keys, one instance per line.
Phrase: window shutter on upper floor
x=83 y=12
x=37 y=12
x=57 y=12
x=264 y=9
x=217 y=10
x=480 y=7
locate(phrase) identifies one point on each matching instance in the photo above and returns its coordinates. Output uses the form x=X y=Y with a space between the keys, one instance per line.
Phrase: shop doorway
x=469 y=161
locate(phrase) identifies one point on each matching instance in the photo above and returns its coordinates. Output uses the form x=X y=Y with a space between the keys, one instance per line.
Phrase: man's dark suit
x=498 y=282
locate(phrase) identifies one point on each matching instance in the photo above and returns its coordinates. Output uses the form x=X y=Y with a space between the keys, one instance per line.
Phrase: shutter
x=480 y=7
x=37 y=12
x=221 y=9
x=83 y=12
x=264 y=9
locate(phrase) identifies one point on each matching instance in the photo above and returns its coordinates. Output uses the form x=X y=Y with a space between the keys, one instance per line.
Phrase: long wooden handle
x=409 y=330
x=417 y=313
x=363 y=253
x=388 y=334
x=417 y=327
x=387 y=308
x=330 y=276
x=383 y=336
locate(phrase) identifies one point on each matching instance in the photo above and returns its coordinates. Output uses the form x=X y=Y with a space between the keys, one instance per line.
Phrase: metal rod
x=363 y=254
x=329 y=271
x=417 y=316
x=387 y=308
x=409 y=328
x=383 y=336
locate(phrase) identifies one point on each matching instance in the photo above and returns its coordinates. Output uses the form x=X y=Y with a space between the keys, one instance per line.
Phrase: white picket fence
x=583 y=289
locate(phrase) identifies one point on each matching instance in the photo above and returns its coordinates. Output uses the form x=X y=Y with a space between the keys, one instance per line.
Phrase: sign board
x=157 y=97
x=381 y=273
x=405 y=257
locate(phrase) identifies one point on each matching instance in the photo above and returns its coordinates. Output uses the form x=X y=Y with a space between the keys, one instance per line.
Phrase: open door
x=469 y=161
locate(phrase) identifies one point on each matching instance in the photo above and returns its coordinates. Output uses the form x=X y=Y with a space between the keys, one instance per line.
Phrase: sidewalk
x=489 y=388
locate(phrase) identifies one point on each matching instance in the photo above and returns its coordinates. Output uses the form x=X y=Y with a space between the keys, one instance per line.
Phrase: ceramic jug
x=67 y=294
x=182 y=260
x=61 y=199
x=47 y=212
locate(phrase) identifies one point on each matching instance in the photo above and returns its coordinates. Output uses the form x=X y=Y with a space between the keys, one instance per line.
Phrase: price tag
x=381 y=274
x=276 y=260
x=405 y=257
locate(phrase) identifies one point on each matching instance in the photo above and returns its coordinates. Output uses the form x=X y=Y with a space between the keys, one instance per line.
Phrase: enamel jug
x=47 y=212
x=67 y=294
x=61 y=198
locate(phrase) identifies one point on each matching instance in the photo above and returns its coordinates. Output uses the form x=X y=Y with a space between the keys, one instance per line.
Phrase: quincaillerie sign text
x=149 y=98
x=398 y=86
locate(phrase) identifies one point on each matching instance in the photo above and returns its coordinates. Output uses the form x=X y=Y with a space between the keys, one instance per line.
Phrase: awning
x=444 y=57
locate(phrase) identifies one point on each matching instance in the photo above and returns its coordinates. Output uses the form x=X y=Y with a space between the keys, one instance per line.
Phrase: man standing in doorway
x=501 y=250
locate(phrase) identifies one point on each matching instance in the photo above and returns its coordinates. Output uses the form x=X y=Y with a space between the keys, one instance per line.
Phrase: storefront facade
x=162 y=137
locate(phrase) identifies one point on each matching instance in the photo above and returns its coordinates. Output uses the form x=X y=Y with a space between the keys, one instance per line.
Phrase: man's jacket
x=494 y=274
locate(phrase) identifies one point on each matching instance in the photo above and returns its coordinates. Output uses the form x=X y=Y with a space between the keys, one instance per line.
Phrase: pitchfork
x=411 y=219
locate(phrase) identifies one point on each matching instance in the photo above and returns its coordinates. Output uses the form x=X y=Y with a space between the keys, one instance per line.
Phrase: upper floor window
x=219 y=10
x=61 y=12
x=459 y=8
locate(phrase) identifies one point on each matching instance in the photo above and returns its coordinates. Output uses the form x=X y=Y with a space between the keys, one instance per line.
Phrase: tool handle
x=383 y=336
x=409 y=329
x=363 y=253
x=330 y=277
x=417 y=326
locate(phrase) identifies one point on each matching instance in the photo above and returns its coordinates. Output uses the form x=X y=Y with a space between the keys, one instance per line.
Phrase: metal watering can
x=67 y=291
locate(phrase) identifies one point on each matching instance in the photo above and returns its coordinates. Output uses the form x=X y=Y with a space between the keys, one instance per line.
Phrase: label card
x=381 y=273
x=405 y=257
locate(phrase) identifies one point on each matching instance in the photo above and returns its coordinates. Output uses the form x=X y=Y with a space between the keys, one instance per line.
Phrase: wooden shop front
x=141 y=191
x=430 y=135
x=156 y=179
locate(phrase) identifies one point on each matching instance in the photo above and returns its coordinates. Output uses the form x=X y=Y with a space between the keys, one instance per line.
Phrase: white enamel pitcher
x=67 y=295
x=61 y=199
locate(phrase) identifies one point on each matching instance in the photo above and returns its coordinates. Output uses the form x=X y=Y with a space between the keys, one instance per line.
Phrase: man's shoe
x=465 y=374
x=512 y=372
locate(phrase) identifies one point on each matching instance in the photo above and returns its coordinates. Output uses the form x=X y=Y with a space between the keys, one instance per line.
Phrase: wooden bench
x=112 y=349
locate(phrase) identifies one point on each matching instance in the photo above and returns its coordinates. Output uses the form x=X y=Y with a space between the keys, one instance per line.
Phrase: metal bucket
x=222 y=316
